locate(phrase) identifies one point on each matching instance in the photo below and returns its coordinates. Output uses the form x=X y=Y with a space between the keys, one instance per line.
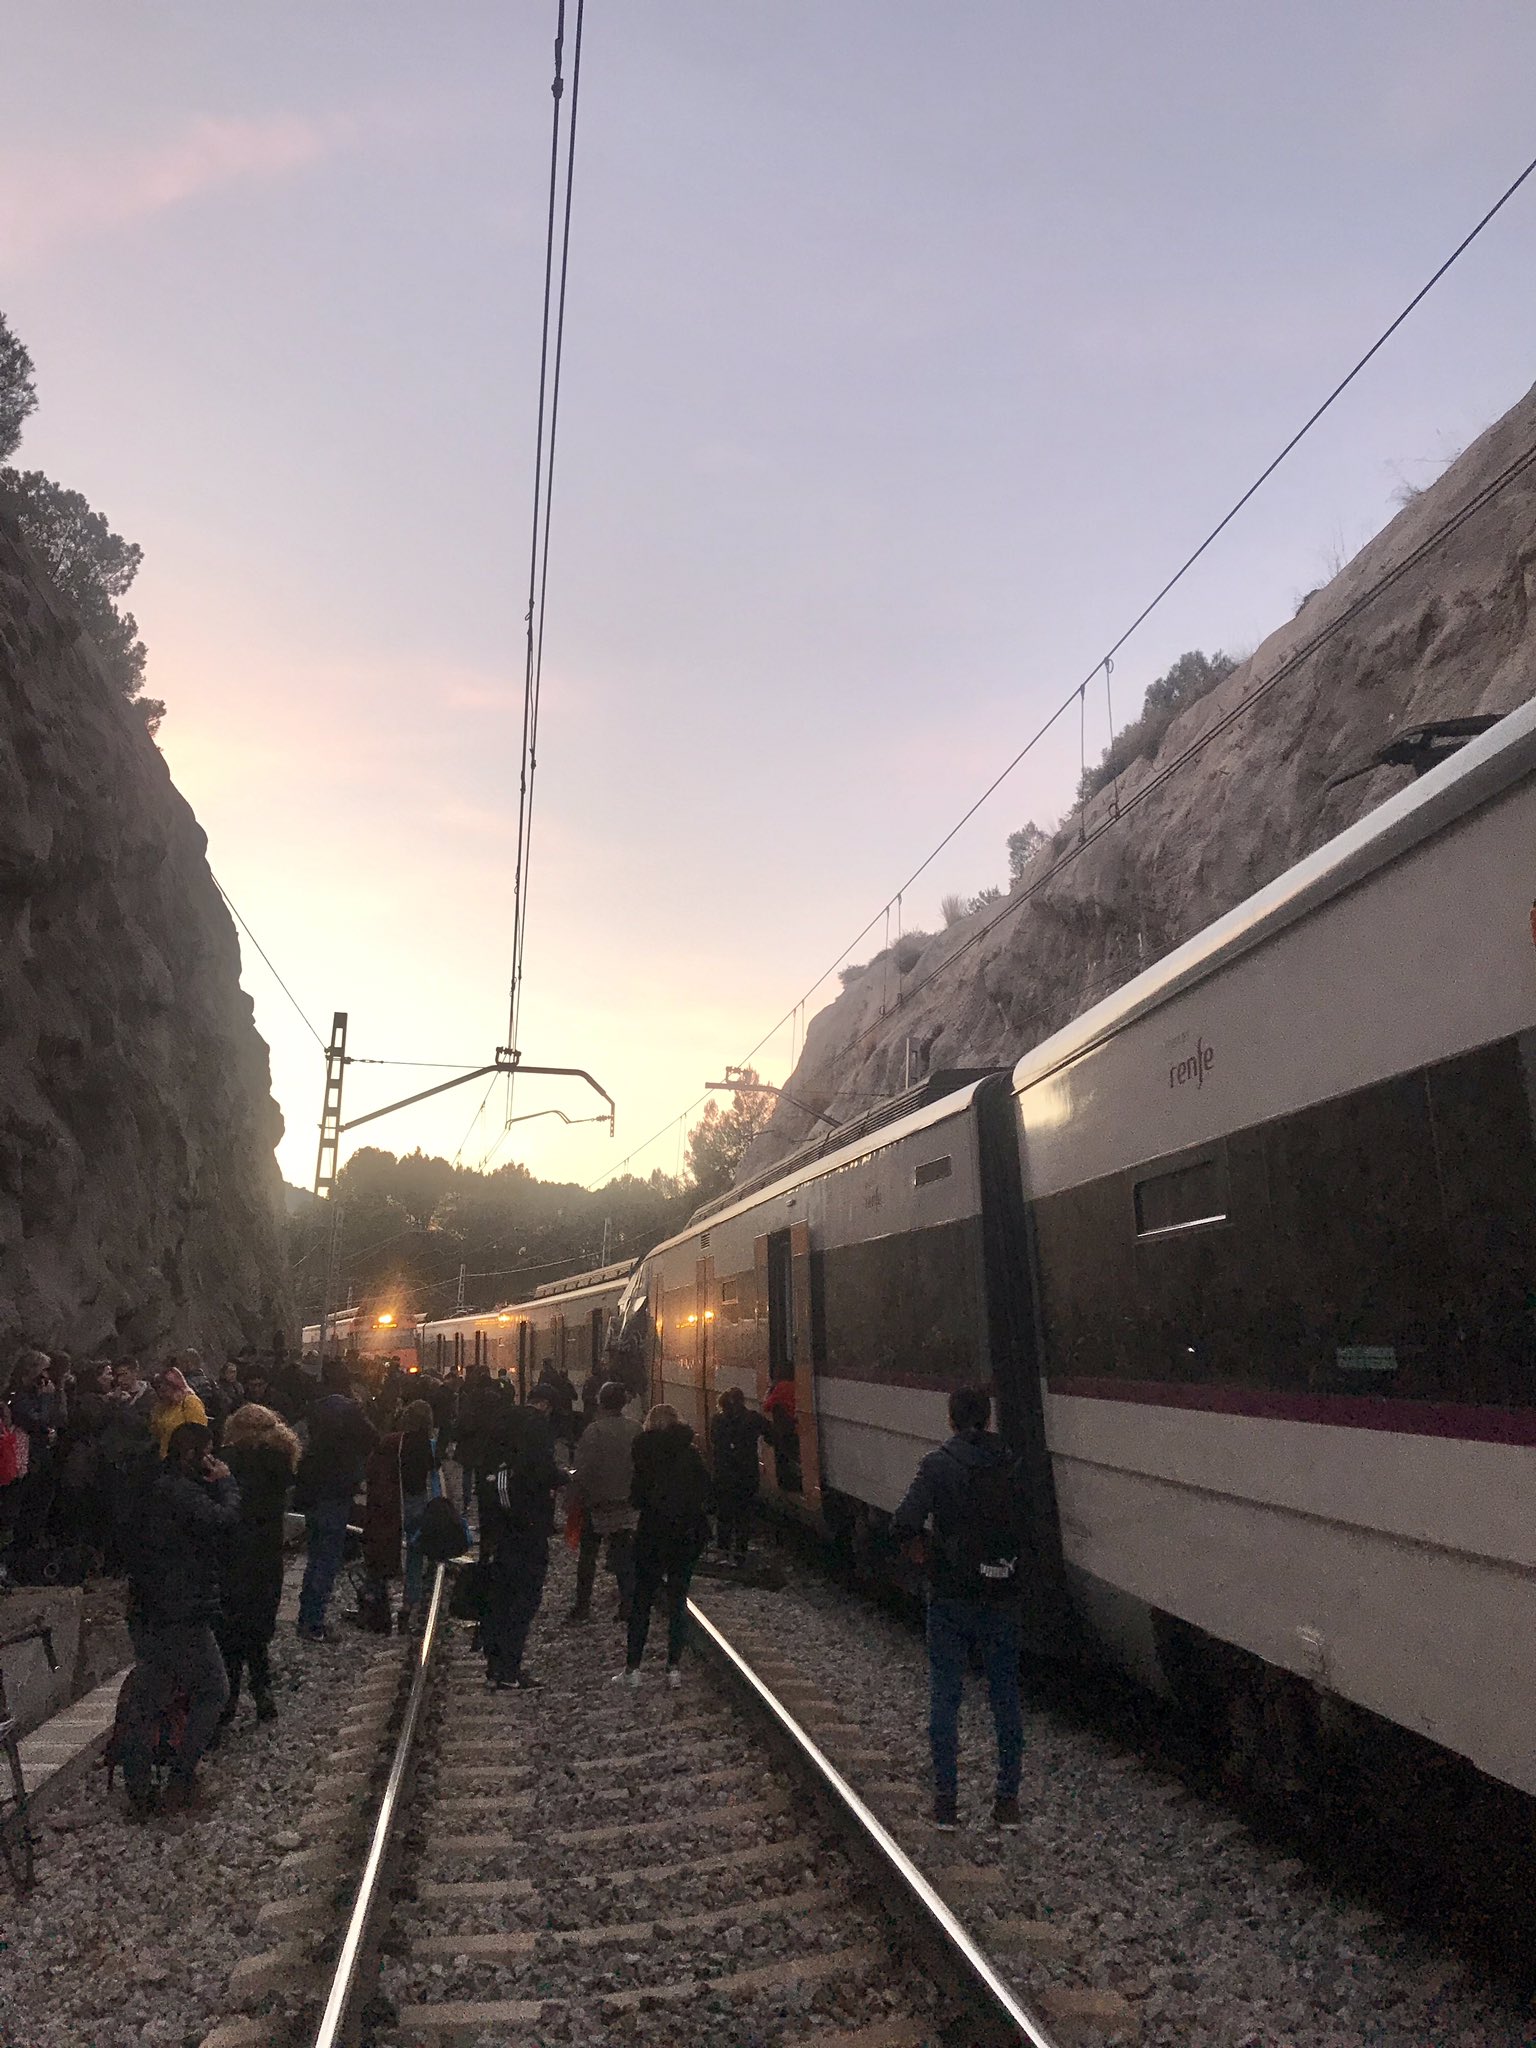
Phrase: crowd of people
x=181 y=1483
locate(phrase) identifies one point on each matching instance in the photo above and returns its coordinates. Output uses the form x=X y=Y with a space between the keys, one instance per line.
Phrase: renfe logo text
x=1194 y=1068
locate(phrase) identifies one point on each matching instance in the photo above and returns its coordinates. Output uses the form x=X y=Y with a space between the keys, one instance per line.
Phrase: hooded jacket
x=605 y=1467
x=340 y=1438
x=670 y=1488
x=734 y=1440
x=940 y=1493
x=178 y=1571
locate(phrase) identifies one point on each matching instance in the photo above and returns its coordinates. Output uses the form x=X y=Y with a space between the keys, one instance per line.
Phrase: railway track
x=590 y=1863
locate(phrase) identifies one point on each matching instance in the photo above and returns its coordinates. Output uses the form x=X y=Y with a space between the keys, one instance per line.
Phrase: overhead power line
x=543 y=497
x=1105 y=661
x=287 y=991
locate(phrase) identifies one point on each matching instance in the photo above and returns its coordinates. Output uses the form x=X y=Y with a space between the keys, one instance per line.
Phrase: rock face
x=139 y=1198
x=1400 y=636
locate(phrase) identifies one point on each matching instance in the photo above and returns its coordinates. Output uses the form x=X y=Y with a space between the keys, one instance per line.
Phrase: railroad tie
x=510 y=1943
x=815 y=1969
x=794 y=1846
x=880 y=2034
x=701 y=1816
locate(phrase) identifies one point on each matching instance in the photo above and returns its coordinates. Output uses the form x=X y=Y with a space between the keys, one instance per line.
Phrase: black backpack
x=983 y=1552
x=443 y=1534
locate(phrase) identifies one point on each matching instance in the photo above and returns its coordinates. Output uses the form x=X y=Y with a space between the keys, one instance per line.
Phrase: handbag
x=466 y=1600
x=444 y=1534
x=13 y=1451
x=575 y=1515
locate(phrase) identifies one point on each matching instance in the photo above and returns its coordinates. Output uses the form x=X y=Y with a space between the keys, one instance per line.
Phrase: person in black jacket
x=330 y=1472
x=671 y=1490
x=187 y=1515
x=482 y=1410
x=734 y=1440
x=517 y=1518
x=968 y=1490
x=262 y=1453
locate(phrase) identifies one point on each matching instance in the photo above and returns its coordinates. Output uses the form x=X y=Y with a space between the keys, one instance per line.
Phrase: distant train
x=565 y=1323
x=1248 y=1254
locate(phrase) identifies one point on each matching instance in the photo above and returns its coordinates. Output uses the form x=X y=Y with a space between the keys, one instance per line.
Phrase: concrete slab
x=56 y=1756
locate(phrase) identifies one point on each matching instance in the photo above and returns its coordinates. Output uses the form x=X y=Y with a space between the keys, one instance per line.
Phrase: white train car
x=564 y=1323
x=1248 y=1254
x=1282 y=1194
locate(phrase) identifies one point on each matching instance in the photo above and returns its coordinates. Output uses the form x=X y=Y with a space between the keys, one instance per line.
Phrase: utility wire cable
x=557 y=89
x=543 y=497
x=1018 y=898
x=1176 y=578
x=1079 y=689
x=287 y=991
x=521 y=935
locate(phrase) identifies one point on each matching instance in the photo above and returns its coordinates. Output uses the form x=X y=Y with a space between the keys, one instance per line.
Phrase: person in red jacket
x=779 y=1411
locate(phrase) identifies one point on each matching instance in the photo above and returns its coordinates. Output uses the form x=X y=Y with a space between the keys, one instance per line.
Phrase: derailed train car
x=1248 y=1253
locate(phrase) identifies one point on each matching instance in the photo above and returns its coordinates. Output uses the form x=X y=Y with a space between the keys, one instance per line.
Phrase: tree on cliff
x=718 y=1142
x=18 y=393
x=1192 y=676
x=92 y=565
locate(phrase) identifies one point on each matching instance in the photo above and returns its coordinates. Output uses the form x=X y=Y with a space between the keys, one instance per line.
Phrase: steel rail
x=998 y=2017
x=339 y=2006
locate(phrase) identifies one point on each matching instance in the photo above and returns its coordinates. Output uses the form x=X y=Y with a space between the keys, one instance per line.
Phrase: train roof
x=1482 y=770
x=869 y=1133
x=600 y=1276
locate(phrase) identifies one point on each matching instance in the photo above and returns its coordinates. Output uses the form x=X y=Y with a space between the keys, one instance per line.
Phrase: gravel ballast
x=129 y=1937
x=1212 y=1938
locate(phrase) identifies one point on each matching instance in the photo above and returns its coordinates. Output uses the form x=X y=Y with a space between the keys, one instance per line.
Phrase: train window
x=781 y=1307
x=728 y=1293
x=932 y=1170
x=1180 y=1199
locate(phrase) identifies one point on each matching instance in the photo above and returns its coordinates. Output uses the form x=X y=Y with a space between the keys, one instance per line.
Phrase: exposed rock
x=139 y=1198
x=1451 y=636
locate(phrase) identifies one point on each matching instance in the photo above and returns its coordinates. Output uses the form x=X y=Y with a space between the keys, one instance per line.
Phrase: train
x=1247 y=1253
x=565 y=1323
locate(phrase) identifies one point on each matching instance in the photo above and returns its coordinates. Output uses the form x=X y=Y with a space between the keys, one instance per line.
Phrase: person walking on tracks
x=969 y=1491
x=187 y=1516
x=340 y=1438
x=517 y=1518
x=604 y=1469
x=262 y=1453
x=734 y=1440
x=671 y=1490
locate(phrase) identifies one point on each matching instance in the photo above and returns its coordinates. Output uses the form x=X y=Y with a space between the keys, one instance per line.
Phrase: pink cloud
x=51 y=198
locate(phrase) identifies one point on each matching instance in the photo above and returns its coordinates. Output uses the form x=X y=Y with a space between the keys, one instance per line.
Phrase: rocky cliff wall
x=1406 y=640
x=138 y=1191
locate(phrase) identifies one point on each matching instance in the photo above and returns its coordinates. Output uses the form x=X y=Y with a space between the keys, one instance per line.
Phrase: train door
x=595 y=1361
x=783 y=1260
x=703 y=1349
x=522 y=1358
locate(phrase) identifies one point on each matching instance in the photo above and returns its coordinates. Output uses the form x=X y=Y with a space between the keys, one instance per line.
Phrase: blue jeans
x=955 y=1628
x=325 y=1527
x=412 y=1508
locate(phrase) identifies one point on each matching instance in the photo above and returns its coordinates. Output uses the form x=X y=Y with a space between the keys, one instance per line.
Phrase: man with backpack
x=969 y=1491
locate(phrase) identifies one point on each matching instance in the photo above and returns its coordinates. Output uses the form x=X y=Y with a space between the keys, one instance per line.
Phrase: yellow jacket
x=164 y=1422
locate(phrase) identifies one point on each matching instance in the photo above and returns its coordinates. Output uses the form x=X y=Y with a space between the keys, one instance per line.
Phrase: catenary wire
x=1177 y=577
x=557 y=90
x=1284 y=669
x=1108 y=656
x=549 y=495
x=287 y=991
x=544 y=475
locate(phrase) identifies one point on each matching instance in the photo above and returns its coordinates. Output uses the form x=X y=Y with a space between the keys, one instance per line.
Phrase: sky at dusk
x=909 y=347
